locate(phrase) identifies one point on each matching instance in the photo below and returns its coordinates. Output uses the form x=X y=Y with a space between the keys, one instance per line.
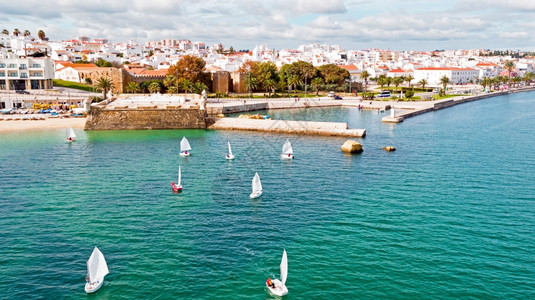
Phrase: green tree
x=389 y=81
x=16 y=32
x=397 y=81
x=251 y=82
x=381 y=81
x=185 y=85
x=151 y=53
x=198 y=87
x=294 y=80
x=133 y=87
x=171 y=81
x=270 y=84
x=422 y=83
x=154 y=87
x=444 y=81
x=27 y=32
x=317 y=83
x=528 y=77
x=105 y=84
x=101 y=63
x=408 y=79
x=509 y=65
x=5 y=32
x=41 y=35
x=365 y=75
x=88 y=80
x=264 y=72
x=333 y=74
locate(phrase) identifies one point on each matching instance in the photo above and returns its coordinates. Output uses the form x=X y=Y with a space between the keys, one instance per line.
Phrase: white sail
x=257 y=185
x=287 y=148
x=70 y=133
x=229 y=149
x=96 y=266
x=284 y=267
x=179 y=176
x=184 y=145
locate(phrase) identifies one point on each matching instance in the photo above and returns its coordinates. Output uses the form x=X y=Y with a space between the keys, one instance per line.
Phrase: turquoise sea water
x=450 y=214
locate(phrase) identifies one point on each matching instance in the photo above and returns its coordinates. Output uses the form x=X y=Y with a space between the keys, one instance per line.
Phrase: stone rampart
x=146 y=118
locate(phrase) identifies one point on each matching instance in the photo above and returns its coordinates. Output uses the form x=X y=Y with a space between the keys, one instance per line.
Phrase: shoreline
x=7 y=126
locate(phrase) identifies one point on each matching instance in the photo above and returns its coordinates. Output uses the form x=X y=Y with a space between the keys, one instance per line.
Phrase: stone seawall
x=146 y=118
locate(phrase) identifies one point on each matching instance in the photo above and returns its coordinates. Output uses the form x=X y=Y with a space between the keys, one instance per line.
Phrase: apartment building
x=25 y=73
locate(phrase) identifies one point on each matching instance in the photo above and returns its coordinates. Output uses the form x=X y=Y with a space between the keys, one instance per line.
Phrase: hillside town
x=29 y=63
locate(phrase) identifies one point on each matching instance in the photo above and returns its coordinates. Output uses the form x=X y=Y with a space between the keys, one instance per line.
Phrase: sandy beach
x=49 y=123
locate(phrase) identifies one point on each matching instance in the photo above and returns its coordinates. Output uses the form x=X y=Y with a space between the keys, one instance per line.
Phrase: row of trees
x=265 y=76
x=383 y=80
x=16 y=32
x=496 y=81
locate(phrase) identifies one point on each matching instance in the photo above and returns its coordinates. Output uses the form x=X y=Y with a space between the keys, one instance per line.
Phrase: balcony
x=2 y=74
x=36 y=74
x=13 y=75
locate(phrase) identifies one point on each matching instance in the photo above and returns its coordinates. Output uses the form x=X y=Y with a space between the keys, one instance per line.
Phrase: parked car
x=22 y=92
x=331 y=94
x=336 y=97
x=384 y=94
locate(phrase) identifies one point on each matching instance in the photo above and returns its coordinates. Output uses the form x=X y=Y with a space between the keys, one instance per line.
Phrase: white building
x=25 y=73
x=455 y=75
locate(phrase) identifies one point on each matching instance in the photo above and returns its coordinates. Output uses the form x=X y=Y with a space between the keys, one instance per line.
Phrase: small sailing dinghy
x=257 y=187
x=278 y=287
x=177 y=188
x=96 y=270
x=184 y=147
x=287 y=151
x=71 y=137
x=229 y=154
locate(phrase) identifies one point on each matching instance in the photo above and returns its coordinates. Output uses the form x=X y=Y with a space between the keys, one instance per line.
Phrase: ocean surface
x=449 y=215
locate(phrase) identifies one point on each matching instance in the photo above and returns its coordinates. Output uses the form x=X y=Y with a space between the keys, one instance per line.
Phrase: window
x=36 y=75
x=36 y=66
x=23 y=75
x=13 y=74
x=22 y=66
x=12 y=66
x=2 y=65
x=2 y=74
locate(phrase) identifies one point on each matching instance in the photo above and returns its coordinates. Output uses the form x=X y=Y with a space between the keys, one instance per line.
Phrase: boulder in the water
x=352 y=147
x=389 y=148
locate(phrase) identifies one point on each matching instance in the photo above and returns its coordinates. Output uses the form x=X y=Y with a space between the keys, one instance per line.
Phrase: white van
x=384 y=94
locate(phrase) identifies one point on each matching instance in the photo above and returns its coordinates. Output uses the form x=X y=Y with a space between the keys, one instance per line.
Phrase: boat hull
x=285 y=156
x=255 y=195
x=279 y=290
x=93 y=287
x=229 y=157
x=185 y=154
x=176 y=188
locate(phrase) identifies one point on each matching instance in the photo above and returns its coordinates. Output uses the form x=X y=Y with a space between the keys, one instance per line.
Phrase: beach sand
x=49 y=123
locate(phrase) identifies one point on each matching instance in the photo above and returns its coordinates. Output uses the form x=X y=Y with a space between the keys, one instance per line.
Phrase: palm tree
x=5 y=32
x=198 y=87
x=509 y=65
x=444 y=81
x=294 y=80
x=409 y=78
x=397 y=81
x=317 y=82
x=16 y=32
x=528 y=77
x=133 y=87
x=365 y=75
x=154 y=87
x=252 y=83
x=388 y=81
x=27 y=32
x=88 y=80
x=422 y=82
x=186 y=85
x=170 y=80
x=41 y=35
x=269 y=84
x=105 y=84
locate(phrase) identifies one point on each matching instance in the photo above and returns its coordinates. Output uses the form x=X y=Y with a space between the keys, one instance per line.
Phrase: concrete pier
x=289 y=127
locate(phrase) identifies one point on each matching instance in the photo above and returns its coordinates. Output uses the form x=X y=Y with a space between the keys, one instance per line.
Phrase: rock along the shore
x=351 y=146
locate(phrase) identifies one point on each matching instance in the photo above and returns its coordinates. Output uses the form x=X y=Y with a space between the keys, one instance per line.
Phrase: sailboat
x=184 y=147
x=177 y=188
x=71 y=137
x=287 y=150
x=96 y=270
x=257 y=187
x=229 y=154
x=278 y=287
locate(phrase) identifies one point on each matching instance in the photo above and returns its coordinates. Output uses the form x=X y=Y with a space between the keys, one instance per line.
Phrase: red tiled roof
x=399 y=70
x=446 y=69
x=349 y=67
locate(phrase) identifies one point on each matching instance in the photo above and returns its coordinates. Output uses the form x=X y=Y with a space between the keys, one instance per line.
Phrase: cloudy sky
x=353 y=24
